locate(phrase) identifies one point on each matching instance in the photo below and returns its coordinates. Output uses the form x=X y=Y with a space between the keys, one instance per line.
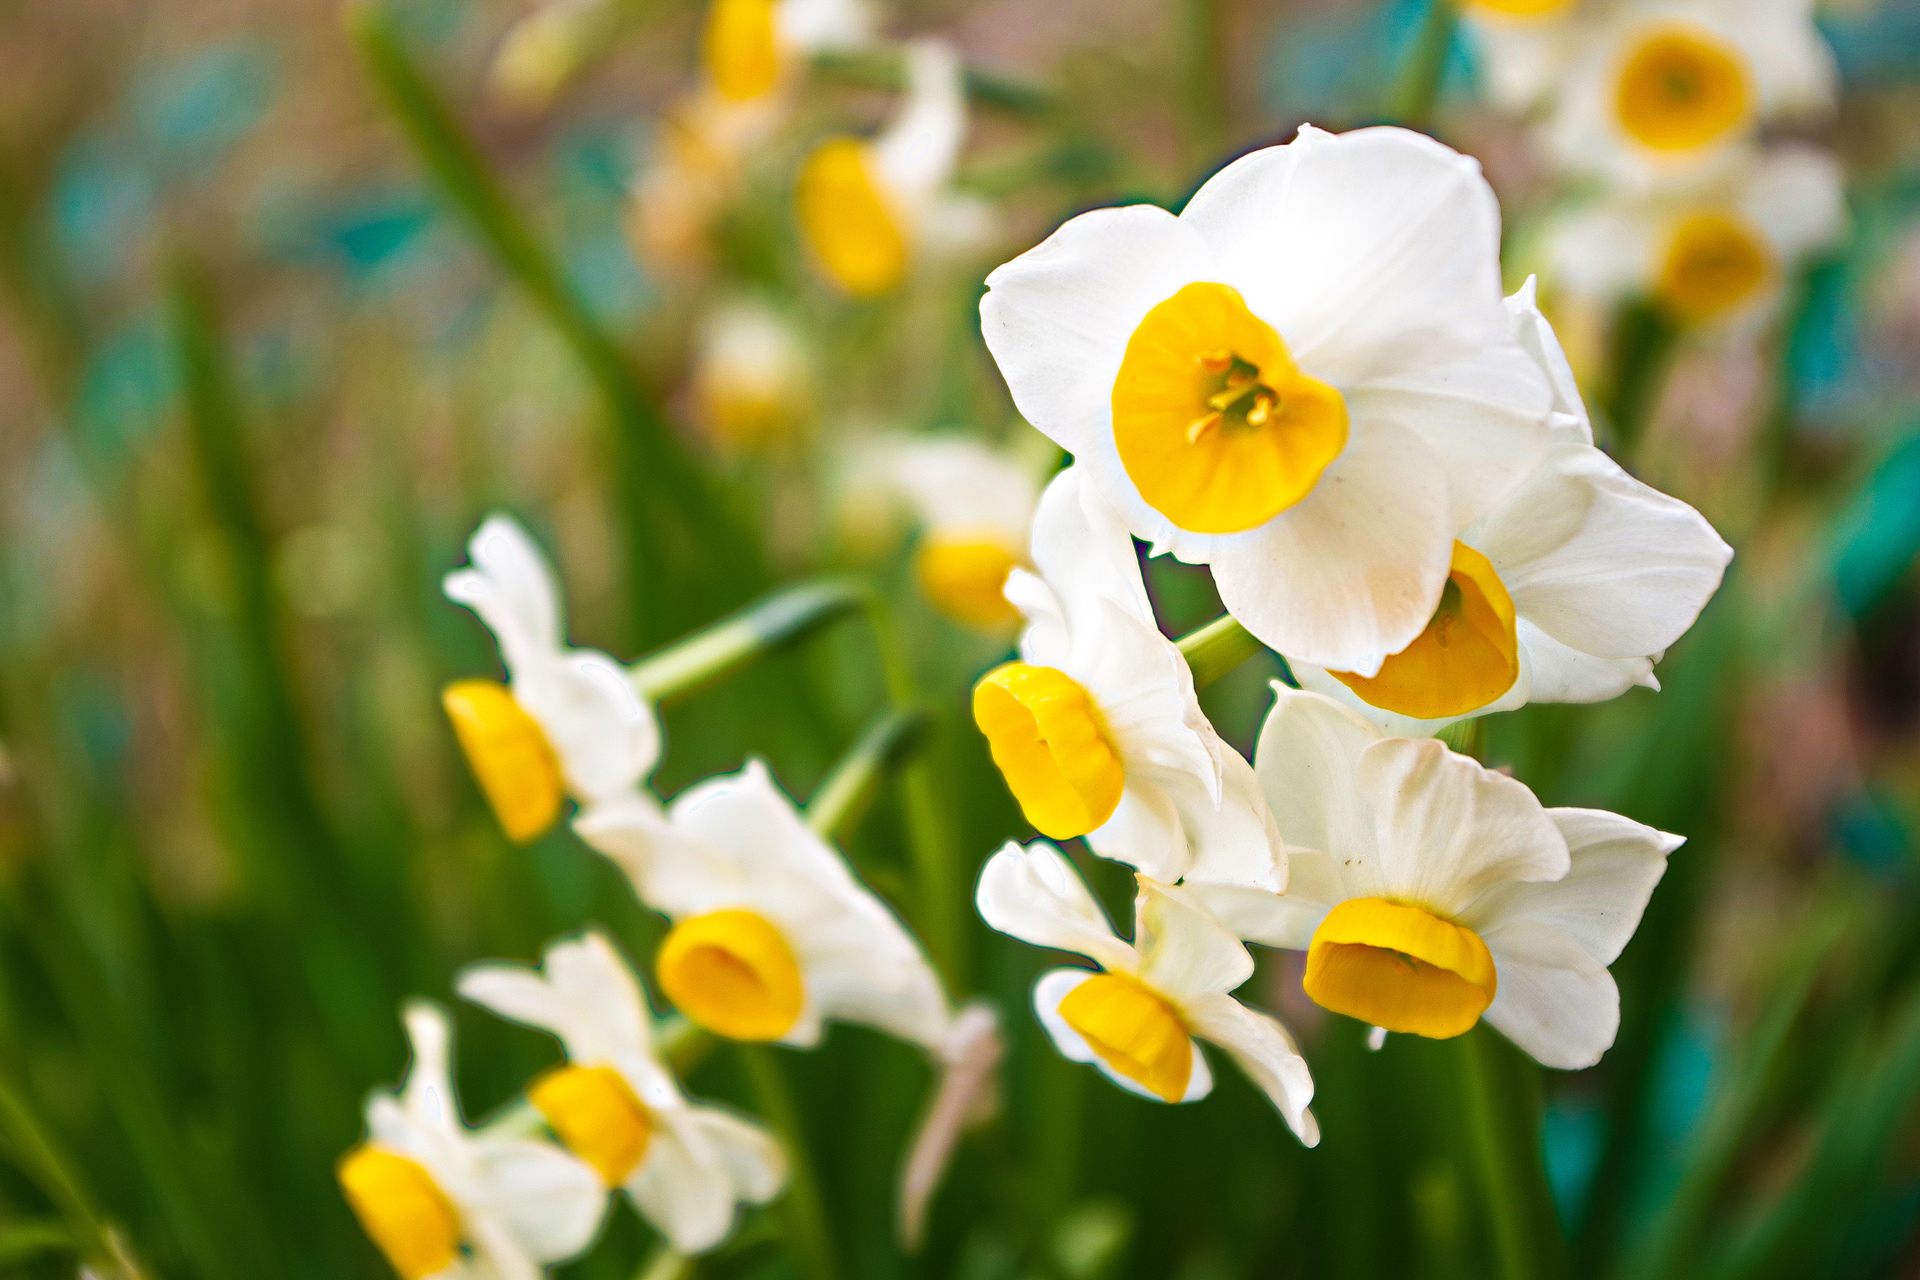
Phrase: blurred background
x=272 y=346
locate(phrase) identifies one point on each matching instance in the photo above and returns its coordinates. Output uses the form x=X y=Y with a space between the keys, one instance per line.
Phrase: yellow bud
x=1051 y=744
x=734 y=974
x=509 y=754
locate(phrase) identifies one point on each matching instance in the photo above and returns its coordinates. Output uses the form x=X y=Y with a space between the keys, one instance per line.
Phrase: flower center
x=1714 y=262
x=846 y=221
x=1521 y=8
x=1400 y=967
x=1134 y=1031
x=404 y=1212
x=732 y=972
x=1051 y=744
x=966 y=579
x=509 y=754
x=742 y=48
x=1682 y=88
x=594 y=1111
x=1468 y=655
x=1218 y=429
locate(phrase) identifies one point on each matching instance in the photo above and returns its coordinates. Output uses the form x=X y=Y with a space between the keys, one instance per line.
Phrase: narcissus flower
x=1305 y=379
x=1667 y=86
x=444 y=1202
x=771 y=933
x=975 y=508
x=1139 y=1017
x=616 y=1105
x=1521 y=46
x=1569 y=591
x=1431 y=891
x=751 y=47
x=1097 y=728
x=751 y=382
x=866 y=207
x=567 y=722
x=1718 y=252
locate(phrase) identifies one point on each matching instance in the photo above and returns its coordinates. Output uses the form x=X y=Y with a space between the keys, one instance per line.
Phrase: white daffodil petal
x=511 y=586
x=1555 y=1001
x=1307 y=760
x=497 y=1254
x=916 y=153
x=550 y=1201
x=1351 y=573
x=1280 y=919
x=1238 y=843
x=1536 y=337
x=606 y=737
x=1145 y=830
x=699 y=1165
x=752 y=1157
x=1051 y=988
x=1449 y=829
x=1184 y=950
x=1081 y=546
x=427 y=1096
x=1561 y=673
x=1264 y=1050
x=1034 y=894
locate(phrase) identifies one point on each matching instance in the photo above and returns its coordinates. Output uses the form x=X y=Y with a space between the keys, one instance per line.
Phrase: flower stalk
x=842 y=799
x=695 y=661
x=1217 y=648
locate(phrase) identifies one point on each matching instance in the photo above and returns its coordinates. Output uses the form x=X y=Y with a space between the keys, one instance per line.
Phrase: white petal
x=1238 y=843
x=1561 y=673
x=1034 y=894
x=1145 y=830
x=1265 y=1051
x=1057 y=320
x=1450 y=829
x=1051 y=988
x=1555 y=1001
x=1184 y=950
x=1616 y=862
x=958 y=485
x=550 y=1201
x=1280 y=919
x=916 y=153
x=1602 y=252
x=428 y=1096
x=1308 y=761
x=1797 y=196
x=689 y=1182
x=813 y=25
x=1083 y=551
x=1536 y=337
x=605 y=735
x=751 y=1155
x=511 y=587
x=1045 y=641
x=671 y=872
x=1393 y=724
x=1352 y=572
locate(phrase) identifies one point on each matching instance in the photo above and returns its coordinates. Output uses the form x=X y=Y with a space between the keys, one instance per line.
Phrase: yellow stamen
x=1218 y=428
x=1714 y=262
x=402 y=1210
x=1051 y=744
x=742 y=48
x=1681 y=88
x=847 y=222
x=732 y=972
x=1400 y=967
x=1521 y=8
x=1134 y=1031
x=966 y=579
x=594 y=1111
x=509 y=754
x=1468 y=655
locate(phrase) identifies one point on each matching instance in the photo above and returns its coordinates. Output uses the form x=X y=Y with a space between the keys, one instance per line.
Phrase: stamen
x=1216 y=362
x=1200 y=426
x=1234 y=393
x=1263 y=405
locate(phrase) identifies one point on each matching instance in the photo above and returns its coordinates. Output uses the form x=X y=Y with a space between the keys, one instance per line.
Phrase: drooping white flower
x=1719 y=252
x=974 y=505
x=444 y=1202
x=1428 y=891
x=1139 y=1017
x=867 y=208
x=1664 y=89
x=568 y=721
x=617 y=1106
x=752 y=384
x=1097 y=727
x=1306 y=379
x=1569 y=591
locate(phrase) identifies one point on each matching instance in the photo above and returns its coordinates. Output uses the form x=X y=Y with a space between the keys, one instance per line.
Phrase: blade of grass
x=842 y=799
x=803 y=1213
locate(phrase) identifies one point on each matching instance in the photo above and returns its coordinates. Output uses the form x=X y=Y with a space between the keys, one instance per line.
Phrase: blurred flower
x=1663 y=87
x=1717 y=253
x=750 y=47
x=616 y=1105
x=1569 y=591
x=545 y=49
x=1137 y=1017
x=866 y=208
x=751 y=379
x=1427 y=890
x=771 y=933
x=1097 y=728
x=423 y=1184
x=1523 y=45
x=568 y=721
x=975 y=508
x=1305 y=379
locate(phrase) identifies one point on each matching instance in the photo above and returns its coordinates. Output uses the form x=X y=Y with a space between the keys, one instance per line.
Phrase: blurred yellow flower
x=751 y=377
x=974 y=505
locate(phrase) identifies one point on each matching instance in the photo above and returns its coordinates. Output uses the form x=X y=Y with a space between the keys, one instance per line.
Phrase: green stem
x=709 y=653
x=840 y=801
x=1500 y=1182
x=803 y=1214
x=1217 y=648
x=1418 y=87
x=665 y=1264
x=38 y=1158
x=1468 y=736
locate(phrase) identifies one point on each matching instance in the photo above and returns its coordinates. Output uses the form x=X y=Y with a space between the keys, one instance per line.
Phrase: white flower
x=751 y=890
x=1305 y=380
x=867 y=207
x=751 y=379
x=1667 y=87
x=617 y=1105
x=1569 y=591
x=568 y=720
x=1137 y=1019
x=1431 y=890
x=1717 y=252
x=424 y=1185
x=1523 y=46
x=1097 y=728
x=975 y=508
